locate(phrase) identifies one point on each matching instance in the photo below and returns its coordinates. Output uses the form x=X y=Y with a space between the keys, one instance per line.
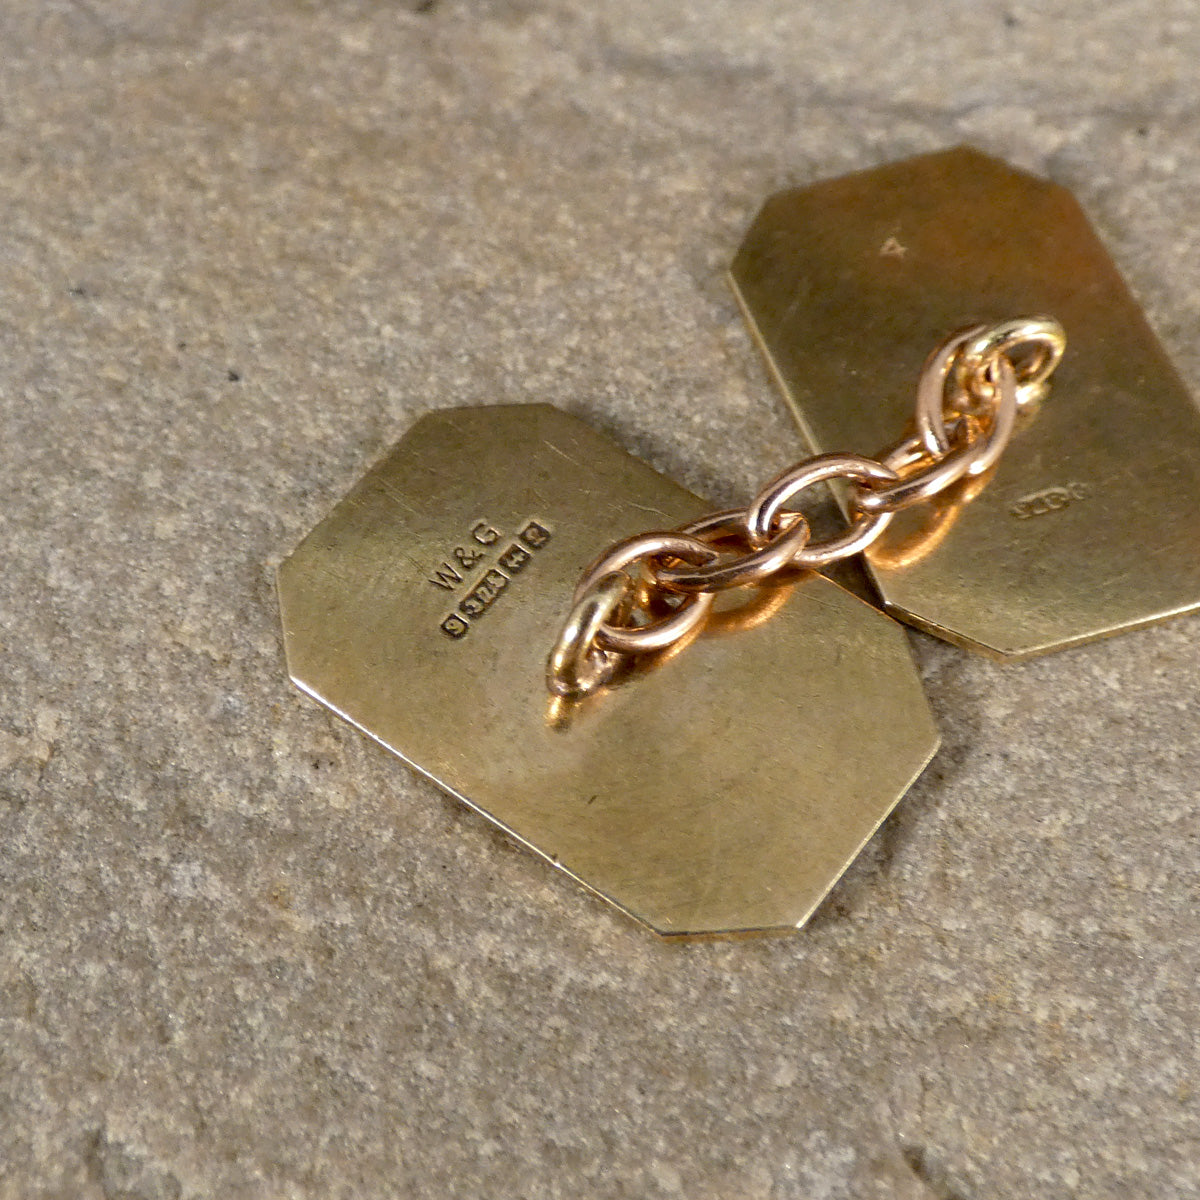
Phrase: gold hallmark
x=719 y=791
x=1087 y=526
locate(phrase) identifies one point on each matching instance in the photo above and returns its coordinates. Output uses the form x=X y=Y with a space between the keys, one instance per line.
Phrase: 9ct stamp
x=1051 y=500
x=511 y=560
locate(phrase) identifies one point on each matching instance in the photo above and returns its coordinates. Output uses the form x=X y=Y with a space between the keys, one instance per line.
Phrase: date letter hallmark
x=512 y=557
x=1050 y=500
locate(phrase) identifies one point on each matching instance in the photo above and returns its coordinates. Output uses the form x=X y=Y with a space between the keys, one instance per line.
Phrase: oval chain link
x=662 y=631
x=769 y=504
x=650 y=592
x=758 y=561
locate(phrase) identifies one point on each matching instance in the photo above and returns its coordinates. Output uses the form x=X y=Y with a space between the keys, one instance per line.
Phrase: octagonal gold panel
x=723 y=791
x=1090 y=524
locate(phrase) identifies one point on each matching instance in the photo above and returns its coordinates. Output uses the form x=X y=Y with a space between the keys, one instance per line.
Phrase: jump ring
x=658 y=635
x=577 y=666
x=1043 y=336
x=1004 y=419
x=974 y=456
x=931 y=392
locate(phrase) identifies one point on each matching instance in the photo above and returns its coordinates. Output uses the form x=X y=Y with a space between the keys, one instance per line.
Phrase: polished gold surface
x=1088 y=525
x=721 y=790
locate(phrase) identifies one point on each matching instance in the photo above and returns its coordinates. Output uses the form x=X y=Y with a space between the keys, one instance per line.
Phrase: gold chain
x=648 y=593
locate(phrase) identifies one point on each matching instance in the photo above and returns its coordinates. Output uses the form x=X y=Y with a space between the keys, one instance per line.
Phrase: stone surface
x=241 y=247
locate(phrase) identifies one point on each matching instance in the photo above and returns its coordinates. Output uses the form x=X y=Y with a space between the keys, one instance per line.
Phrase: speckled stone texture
x=243 y=952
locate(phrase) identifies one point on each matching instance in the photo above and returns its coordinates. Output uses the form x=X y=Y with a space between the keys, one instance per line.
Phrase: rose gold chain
x=648 y=593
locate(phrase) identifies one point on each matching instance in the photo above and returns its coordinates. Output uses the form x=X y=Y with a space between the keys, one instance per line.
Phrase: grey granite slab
x=244 y=953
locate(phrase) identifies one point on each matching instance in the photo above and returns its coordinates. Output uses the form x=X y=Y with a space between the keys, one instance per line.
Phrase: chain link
x=651 y=592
